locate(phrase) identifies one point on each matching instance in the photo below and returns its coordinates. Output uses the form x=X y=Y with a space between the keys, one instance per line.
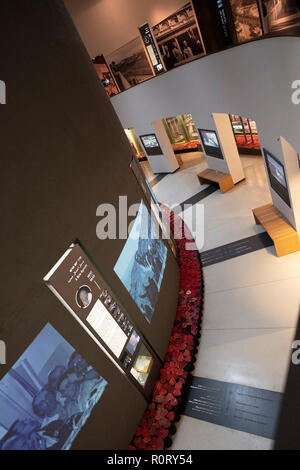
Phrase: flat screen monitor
x=151 y=144
x=277 y=177
x=211 y=143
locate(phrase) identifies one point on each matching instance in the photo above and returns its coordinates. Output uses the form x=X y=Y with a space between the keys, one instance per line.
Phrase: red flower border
x=157 y=425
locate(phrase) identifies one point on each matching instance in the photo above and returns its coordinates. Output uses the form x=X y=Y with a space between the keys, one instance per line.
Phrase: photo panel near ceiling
x=280 y=16
x=151 y=144
x=47 y=396
x=129 y=64
x=105 y=76
x=179 y=38
x=246 y=19
x=78 y=284
x=141 y=264
x=211 y=144
x=277 y=176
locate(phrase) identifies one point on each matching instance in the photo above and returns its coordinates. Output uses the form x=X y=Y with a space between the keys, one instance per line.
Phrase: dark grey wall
x=63 y=153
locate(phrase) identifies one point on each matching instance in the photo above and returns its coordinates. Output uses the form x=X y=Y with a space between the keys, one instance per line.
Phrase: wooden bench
x=285 y=237
x=224 y=181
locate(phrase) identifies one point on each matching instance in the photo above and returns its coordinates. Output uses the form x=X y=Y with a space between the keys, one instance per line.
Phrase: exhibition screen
x=151 y=144
x=47 y=396
x=277 y=177
x=141 y=264
x=211 y=144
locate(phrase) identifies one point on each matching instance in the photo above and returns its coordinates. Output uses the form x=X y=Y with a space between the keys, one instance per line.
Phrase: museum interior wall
x=65 y=153
x=276 y=66
x=106 y=25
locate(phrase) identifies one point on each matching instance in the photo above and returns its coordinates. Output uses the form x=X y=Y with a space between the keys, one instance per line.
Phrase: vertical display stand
x=231 y=164
x=166 y=163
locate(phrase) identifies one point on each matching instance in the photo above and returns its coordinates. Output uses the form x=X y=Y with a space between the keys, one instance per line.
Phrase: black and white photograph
x=281 y=16
x=246 y=19
x=129 y=64
x=84 y=296
x=47 y=396
x=179 y=38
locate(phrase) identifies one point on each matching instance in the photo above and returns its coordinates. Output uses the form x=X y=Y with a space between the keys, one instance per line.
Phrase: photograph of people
x=84 y=296
x=142 y=262
x=47 y=396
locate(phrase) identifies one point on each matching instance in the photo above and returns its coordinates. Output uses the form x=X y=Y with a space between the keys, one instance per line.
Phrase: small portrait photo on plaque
x=84 y=296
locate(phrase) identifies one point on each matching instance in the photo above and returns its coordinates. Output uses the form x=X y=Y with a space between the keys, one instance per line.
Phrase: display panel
x=179 y=38
x=151 y=144
x=149 y=42
x=82 y=290
x=129 y=64
x=47 y=396
x=141 y=264
x=210 y=143
x=277 y=177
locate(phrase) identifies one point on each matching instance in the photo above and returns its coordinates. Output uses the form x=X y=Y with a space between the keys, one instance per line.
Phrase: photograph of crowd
x=281 y=15
x=129 y=64
x=246 y=19
x=179 y=38
x=47 y=396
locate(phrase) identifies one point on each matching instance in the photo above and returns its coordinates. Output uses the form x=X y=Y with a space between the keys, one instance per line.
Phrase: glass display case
x=135 y=144
x=246 y=135
x=182 y=133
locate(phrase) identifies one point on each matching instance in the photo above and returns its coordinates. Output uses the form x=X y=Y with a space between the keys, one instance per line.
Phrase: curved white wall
x=252 y=80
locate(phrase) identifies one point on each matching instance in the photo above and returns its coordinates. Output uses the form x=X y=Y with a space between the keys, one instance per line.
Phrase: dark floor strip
x=196 y=198
x=247 y=409
x=158 y=178
x=235 y=249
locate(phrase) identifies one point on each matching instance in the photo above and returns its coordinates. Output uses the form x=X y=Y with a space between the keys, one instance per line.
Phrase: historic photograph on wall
x=179 y=38
x=105 y=76
x=129 y=64
x=281 y=16
x=246 y=19
x=47 y=396
x=142 y=263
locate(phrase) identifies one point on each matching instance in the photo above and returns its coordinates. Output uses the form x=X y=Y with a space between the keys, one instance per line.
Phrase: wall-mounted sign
x=150 y=46
x=79 y=286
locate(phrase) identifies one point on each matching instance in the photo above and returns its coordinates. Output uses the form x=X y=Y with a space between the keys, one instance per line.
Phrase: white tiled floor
x=251 y=302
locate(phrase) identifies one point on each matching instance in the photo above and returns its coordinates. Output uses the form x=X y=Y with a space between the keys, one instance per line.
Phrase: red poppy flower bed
x=158 y=423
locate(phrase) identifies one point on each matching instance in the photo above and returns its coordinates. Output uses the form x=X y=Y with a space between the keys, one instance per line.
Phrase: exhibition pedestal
x=166 y=405
x=224 y=181
x=285 y=238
